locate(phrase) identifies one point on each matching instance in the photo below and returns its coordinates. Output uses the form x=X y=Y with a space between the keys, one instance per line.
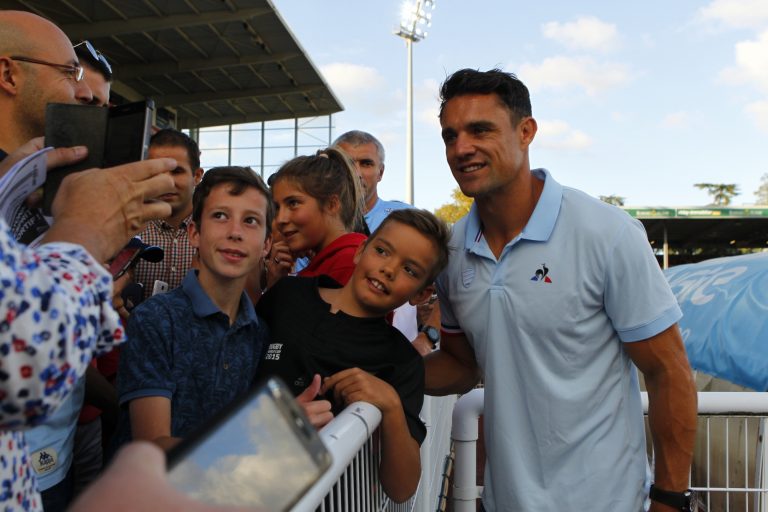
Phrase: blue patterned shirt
x=55 y=315
x=182 y=347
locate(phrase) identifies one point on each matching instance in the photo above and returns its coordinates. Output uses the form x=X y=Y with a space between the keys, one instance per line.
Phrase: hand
x=137 y=480
x=355 y=385
x=101 y=209
x=318 y=411
x=117 y=289
x=279 y=262
x=422 y=344
x=54 y=158
x=424 y=311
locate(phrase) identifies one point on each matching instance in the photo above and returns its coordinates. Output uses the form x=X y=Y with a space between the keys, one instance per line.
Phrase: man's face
x=485 y=152
x=369 y=168
x=391 y=269
x=41 y=84
x=98 y=85
x=184 y=178
x=231 y=238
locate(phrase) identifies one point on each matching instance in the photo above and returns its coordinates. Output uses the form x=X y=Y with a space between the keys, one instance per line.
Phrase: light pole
x=413 y=15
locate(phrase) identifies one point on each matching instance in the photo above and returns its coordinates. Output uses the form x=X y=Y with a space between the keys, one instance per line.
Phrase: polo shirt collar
x=543 y=218
x=203 y=306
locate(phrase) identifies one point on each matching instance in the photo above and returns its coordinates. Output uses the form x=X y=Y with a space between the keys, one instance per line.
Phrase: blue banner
x=725 y=316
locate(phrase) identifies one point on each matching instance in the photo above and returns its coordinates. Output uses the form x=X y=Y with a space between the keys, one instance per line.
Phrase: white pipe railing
x=469 y=408
x=344 y=436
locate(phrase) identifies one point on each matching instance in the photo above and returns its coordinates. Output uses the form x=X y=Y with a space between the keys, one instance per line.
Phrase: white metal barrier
x=352 y=482
x=721 y=477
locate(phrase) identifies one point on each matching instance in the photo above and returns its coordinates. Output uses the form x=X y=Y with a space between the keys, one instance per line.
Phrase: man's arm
x=400 y=466
x=151 y=421
x=672 y=410
x=453 y=368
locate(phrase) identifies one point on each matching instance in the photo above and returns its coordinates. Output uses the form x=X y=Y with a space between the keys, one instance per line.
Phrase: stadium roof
x=704 y=227
x=213 y=61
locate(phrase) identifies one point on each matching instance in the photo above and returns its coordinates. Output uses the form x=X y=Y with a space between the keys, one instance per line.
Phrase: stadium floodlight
x=415 y=17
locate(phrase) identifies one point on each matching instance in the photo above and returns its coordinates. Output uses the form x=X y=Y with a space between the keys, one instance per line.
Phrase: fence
x=352 y=482
x=729 y=469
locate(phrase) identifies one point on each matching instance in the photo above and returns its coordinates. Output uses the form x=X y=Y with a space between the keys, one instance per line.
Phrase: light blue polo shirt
x=380 y=211
x=563 y=418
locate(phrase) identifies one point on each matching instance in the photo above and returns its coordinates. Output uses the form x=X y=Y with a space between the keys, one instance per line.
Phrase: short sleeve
x=638 y=299
x=146 y=359
x=55 y=315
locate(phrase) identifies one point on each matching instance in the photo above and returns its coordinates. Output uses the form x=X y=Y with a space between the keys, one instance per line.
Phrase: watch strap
x=677 y=500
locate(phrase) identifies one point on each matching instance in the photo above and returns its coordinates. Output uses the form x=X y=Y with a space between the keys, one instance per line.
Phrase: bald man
x=37 y=66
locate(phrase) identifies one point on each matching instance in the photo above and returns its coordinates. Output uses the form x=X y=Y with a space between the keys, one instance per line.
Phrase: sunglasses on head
x=97 y=56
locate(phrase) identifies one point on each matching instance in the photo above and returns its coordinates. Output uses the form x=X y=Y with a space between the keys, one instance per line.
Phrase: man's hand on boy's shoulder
x=318 y=411
x=355 y=385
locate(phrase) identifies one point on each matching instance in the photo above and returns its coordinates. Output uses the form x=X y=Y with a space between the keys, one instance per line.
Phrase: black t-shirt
x=306 y=338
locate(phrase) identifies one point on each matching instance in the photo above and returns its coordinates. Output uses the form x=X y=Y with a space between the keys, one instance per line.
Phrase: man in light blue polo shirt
x=555 y=298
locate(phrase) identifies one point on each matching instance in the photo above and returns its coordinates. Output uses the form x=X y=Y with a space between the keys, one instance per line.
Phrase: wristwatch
x=677 y=500
x=433 y=335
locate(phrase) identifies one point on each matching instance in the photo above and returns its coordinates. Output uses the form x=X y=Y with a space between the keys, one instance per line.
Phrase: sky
x=636 y=100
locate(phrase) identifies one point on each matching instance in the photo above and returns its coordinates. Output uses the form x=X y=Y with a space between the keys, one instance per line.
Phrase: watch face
x=432 y=334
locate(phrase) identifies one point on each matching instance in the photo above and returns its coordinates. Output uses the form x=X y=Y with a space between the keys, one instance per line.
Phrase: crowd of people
x=553 y=298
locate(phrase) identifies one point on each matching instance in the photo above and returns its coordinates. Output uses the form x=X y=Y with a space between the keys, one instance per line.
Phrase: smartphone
x=114 y=136
x=261 y=452
x=125 y=259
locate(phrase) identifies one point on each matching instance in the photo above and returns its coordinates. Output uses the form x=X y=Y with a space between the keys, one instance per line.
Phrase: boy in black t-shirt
x=340 y=333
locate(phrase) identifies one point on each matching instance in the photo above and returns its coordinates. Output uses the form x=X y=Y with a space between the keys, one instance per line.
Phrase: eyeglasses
x=97 y=57
x=74 y=70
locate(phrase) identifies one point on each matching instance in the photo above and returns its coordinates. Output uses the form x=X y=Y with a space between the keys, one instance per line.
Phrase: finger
x=145 y=169
x=311 y=391
x=65 y=156
x=155 y=185
x=155 y=210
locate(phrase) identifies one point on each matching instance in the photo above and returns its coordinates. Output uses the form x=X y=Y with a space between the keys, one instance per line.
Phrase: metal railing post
x=464 y=434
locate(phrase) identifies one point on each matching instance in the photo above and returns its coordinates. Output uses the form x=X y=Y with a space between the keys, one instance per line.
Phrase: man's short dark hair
x=240 y=178
x=170 y=137
x=511 y=91
x=428 y=225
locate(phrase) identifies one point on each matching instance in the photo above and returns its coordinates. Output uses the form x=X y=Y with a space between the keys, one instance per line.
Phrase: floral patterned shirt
x=55 y=315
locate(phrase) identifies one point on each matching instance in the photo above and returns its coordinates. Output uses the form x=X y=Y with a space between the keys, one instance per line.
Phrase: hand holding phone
x=261 y=452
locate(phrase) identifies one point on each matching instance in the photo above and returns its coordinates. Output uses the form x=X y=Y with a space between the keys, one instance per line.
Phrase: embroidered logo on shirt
x=541 y=274
x=467 y=276
x=273 y=352
x=44 y=460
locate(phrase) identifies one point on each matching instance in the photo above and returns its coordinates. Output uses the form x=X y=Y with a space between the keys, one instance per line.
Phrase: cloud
x=585 y=33
x=558 y=134
x=346 y=78
x=736 y=13
x=758 y=111
x=751 y=63
x=560 y=73
x=675 y=120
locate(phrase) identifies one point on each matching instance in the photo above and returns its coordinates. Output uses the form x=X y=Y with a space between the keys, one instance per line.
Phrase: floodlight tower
x=415 y=15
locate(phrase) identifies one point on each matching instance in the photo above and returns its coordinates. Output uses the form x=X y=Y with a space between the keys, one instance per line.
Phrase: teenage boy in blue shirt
x=192 y=350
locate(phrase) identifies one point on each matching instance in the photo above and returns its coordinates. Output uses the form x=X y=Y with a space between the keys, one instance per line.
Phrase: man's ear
x=8 y=78
x=528 y=129
x=381 y=172
x=422 y=295
x=198 y=175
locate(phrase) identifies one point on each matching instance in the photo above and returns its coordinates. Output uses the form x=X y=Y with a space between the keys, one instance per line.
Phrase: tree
x=721 y=193
x=762 y=193
x=453 y=211
x=612 y=199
